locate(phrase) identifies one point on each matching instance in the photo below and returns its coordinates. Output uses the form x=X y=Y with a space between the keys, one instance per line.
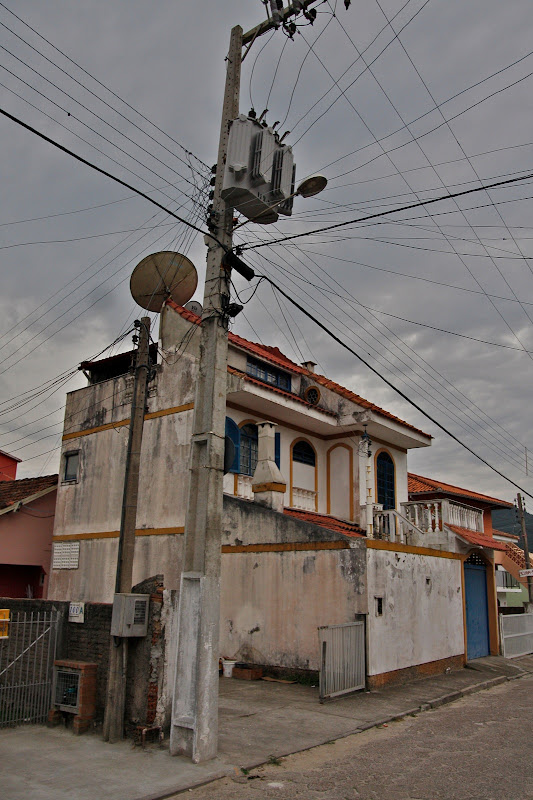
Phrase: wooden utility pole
x=118 y=657
x=526 y=545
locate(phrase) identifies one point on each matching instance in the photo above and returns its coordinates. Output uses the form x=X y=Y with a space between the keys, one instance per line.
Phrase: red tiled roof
x=275 y=356
x=13 y=491
x=416 y=484
x=480 y=539
x=504 y=533
x=325 y=521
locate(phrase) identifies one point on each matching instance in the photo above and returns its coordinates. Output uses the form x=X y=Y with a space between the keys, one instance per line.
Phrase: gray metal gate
x=27 y=656
x=516 y=634
x=342 y=649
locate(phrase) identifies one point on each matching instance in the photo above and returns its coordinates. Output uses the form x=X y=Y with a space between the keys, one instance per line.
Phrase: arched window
x=303 y=453
x=385 y=481
x=248 y=457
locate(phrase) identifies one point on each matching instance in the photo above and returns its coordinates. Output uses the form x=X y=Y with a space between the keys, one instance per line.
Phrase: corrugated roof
x=275 y=356
x=325 y=521
x=419 y=485
x=480 y=539
x=13 y=491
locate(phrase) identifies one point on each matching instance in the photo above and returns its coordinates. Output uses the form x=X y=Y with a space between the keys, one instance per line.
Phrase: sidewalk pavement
x=257 y=720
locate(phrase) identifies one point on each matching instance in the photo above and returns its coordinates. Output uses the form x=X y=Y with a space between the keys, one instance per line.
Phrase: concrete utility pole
x=526 y=548
x=194 y=727
x=118 y=658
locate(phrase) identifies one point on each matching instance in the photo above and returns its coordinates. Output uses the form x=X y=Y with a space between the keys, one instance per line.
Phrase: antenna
x=163 y=276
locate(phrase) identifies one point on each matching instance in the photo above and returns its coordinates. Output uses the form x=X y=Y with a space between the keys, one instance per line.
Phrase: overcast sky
x=395 y=102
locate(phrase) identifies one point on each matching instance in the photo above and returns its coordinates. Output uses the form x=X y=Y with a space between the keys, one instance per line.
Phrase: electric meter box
x=259 y=172
x=130 y=615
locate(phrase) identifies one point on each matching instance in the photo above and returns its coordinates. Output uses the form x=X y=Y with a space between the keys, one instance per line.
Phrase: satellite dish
x=195 y=307
x=161 y=276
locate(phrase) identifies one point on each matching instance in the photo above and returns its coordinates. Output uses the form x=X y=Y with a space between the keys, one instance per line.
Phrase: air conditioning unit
x=130 y=615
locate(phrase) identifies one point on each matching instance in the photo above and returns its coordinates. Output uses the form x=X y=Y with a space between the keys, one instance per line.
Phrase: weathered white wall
x=339 y=481
x=422 y=621
x=273 y=603
x=94 y=580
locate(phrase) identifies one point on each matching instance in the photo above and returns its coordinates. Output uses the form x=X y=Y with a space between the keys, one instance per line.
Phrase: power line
x=170 y=138
x=395 y=388
x=103 y=171
x=384 y=213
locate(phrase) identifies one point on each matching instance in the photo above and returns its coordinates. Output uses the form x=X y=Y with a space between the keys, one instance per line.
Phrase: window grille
x=248 y=449
x=66 y=555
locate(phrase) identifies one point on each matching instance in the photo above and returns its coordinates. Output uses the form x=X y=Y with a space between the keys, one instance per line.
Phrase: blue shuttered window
x=277 y=450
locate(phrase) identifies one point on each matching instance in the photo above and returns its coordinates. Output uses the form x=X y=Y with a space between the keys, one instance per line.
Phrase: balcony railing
x=505 y=581
x=303 y=498
x=432 y=515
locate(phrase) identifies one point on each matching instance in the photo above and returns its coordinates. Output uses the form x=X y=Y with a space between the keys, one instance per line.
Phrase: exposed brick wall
x=91 y=641
x=146 y=661
x=87 y=641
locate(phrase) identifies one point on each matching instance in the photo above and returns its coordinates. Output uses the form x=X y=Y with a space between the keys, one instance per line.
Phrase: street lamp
x=309 y=187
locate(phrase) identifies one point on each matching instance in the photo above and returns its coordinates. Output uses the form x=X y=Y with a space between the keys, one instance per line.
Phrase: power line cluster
x=175 y=180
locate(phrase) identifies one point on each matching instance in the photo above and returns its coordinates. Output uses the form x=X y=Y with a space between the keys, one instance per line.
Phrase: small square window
x=72 y=462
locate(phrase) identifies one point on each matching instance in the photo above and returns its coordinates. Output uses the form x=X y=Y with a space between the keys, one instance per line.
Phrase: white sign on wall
x=76 y=612
x=526 y=573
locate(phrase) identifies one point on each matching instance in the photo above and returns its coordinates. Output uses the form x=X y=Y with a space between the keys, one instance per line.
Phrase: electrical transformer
x=259 y=172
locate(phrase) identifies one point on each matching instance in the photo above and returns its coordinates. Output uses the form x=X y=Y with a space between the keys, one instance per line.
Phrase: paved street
x=478 y=748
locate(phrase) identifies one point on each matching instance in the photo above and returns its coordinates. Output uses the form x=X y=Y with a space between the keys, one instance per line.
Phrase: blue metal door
x=477 y=612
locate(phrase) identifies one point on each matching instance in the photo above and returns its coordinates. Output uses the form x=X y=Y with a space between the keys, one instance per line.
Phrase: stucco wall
x=274 y=596
x=422 y=610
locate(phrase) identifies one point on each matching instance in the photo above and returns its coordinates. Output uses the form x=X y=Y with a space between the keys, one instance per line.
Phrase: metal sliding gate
x=342 y=649
x=516 y=634
x=27 y=652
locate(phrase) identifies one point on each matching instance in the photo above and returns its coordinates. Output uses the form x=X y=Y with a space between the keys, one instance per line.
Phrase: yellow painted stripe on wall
x=71 y=537
x=284 y=547
x=109 y=425
x=396 y=547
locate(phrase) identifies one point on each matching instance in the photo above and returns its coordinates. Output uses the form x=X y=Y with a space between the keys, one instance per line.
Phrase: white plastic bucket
x=227 y=667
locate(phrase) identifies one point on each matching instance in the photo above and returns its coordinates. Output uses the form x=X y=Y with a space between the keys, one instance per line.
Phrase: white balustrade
x=244 y=487
x=432 y=515
x=303 y=498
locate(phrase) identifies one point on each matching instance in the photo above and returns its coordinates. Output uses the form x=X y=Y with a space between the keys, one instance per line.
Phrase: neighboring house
x=491 y=572
x=316 y=531
x=26 y=525
x=8 y=466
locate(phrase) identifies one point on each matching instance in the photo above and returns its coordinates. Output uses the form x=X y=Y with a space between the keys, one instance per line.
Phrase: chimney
x=268 y=484
x=308 y=365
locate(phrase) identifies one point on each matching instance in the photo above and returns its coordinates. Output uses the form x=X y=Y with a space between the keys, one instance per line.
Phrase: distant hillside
x=505 y=519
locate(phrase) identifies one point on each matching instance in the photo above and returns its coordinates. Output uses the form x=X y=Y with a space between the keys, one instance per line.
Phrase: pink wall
x=26 y=535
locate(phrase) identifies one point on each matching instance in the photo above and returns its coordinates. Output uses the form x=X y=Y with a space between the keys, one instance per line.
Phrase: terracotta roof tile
x=417 y=484
x=325 y=521
x=504 y=533
x=480 y=539
x=275 y=356
x=13 y=491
